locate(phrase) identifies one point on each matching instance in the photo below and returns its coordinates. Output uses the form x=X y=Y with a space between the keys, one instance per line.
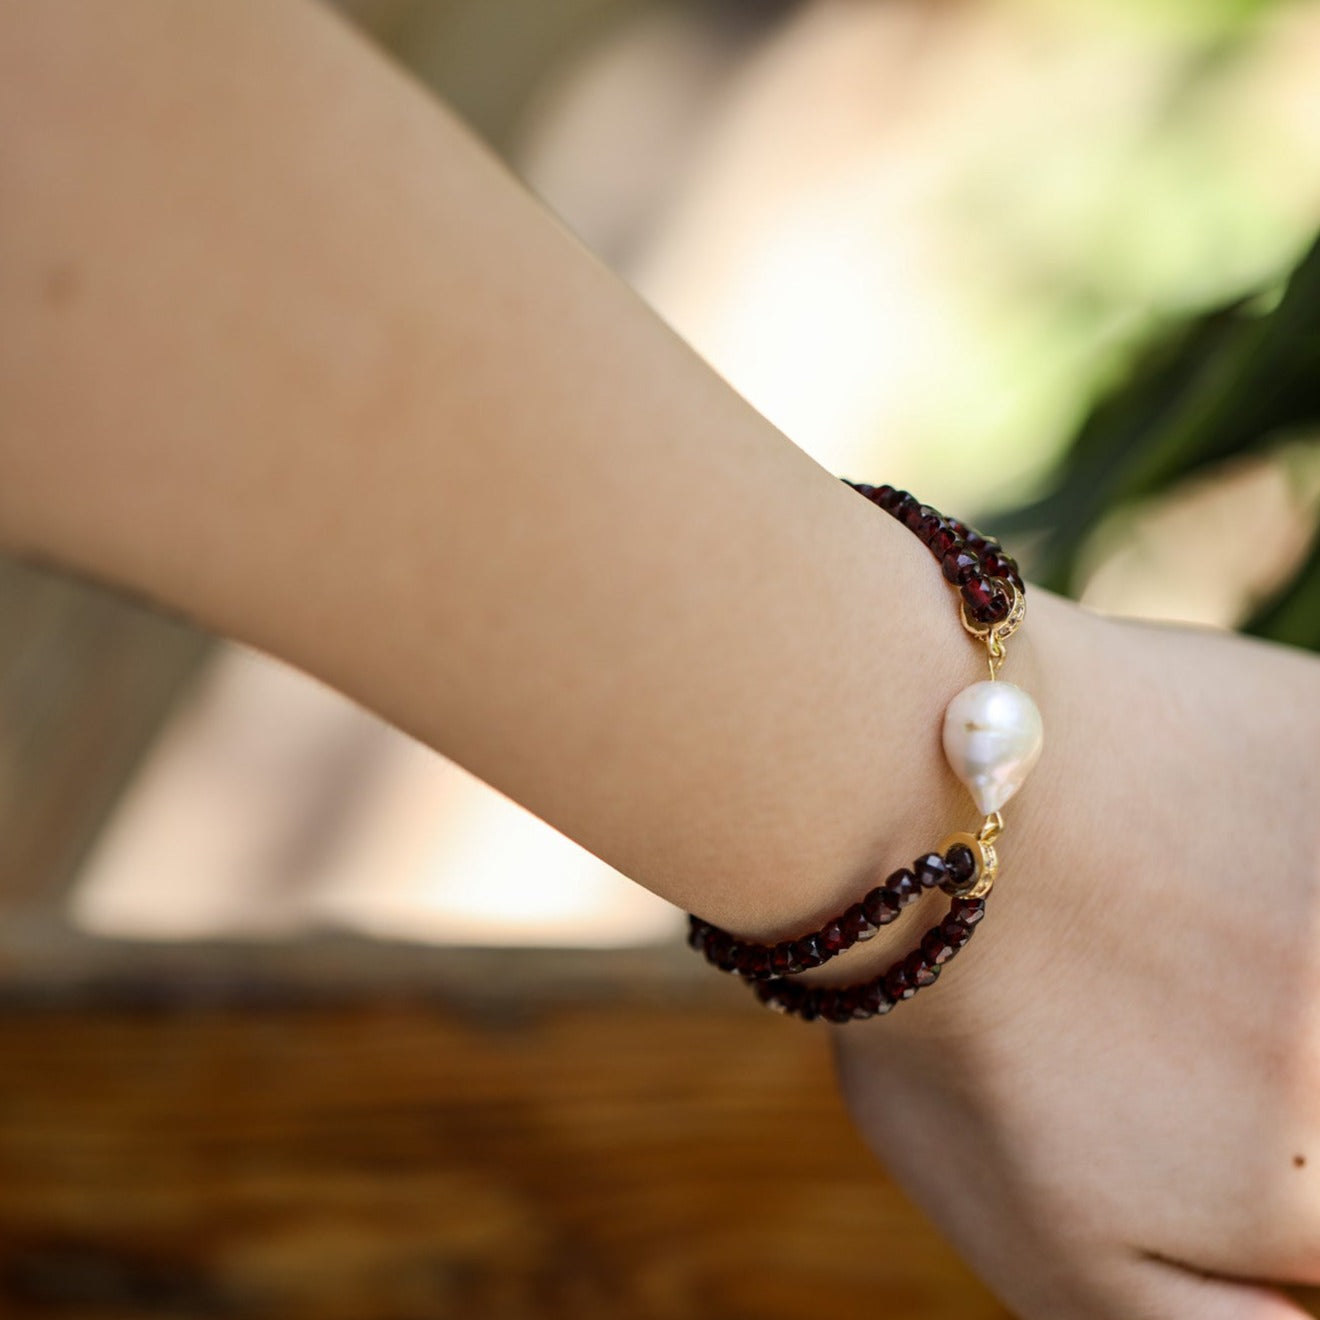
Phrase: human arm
x=281 y=347
x=286 y=348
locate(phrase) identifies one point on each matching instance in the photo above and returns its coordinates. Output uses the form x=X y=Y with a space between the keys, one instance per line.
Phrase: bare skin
x=282 y=348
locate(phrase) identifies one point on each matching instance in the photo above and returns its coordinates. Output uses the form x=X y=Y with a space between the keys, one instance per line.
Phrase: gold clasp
x=994 y=635
x=982 y=847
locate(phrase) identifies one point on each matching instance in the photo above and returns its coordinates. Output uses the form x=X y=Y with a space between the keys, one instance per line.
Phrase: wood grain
x=384 y=1161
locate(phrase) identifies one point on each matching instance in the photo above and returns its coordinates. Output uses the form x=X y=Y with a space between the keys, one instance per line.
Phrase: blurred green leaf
x=1230 y=382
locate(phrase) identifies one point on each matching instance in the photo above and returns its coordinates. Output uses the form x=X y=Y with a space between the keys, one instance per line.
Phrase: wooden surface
x=392 y=1160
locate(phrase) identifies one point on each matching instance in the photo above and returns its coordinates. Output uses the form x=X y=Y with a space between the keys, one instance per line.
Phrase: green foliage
x=1236 y=380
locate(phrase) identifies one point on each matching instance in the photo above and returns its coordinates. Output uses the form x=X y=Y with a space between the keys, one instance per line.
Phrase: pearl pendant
x=993 y=736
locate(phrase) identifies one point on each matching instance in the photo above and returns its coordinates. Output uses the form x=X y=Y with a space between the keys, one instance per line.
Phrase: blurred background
x=269 y=1050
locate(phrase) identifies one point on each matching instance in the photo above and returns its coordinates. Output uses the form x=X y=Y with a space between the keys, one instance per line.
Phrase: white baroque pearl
x=992 y=736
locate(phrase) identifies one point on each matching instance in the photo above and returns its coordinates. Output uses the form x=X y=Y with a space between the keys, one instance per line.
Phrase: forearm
x=280 y=345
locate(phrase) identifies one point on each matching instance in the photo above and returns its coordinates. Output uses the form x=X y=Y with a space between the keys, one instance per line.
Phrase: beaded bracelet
x=992 y=738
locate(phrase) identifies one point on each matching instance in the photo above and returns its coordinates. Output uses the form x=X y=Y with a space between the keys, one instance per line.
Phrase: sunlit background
x=918 y=236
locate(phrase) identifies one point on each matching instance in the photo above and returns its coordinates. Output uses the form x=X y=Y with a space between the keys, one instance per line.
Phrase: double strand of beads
x=954 y=873
x=992 y=737
x=901 y=980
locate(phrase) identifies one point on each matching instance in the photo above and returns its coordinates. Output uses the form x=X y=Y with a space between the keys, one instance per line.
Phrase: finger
x=1163 y=1291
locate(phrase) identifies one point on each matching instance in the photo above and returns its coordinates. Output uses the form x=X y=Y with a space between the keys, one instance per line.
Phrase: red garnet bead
x=719 y=949
x=903 y=505
x=960 y=566
x=855 y=924
x=833 y=938
x=967 y=911
x=898 y=982
x=932 y=870
x=874 y=997
x=880 y=906
x=810 y=951
x=929 y=523
x=913 y=514
x=999 y=607
x=942 y=540
x=837 y=1006
x=850 y=1006
x=955 y=932
x=997 y=564
x=962 y=865
x=904 y=886
x=781 y=959
x=986 y=600
x=936 y=948
x=978 y=592
x=919 y=971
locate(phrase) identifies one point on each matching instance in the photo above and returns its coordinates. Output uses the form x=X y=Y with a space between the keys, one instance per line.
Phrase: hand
x=1111 y=1105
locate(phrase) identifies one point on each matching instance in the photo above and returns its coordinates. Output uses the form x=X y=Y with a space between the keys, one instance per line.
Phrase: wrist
x=1062 y=656
x=908 y=655
x=946 y=809
x=991 y=735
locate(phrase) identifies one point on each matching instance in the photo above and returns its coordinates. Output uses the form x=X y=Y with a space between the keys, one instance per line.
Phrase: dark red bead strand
x=977 y=565
x=762 y=962
x=899 y=981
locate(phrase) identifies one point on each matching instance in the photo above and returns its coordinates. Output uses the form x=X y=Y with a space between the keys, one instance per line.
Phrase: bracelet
x=992 y=738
